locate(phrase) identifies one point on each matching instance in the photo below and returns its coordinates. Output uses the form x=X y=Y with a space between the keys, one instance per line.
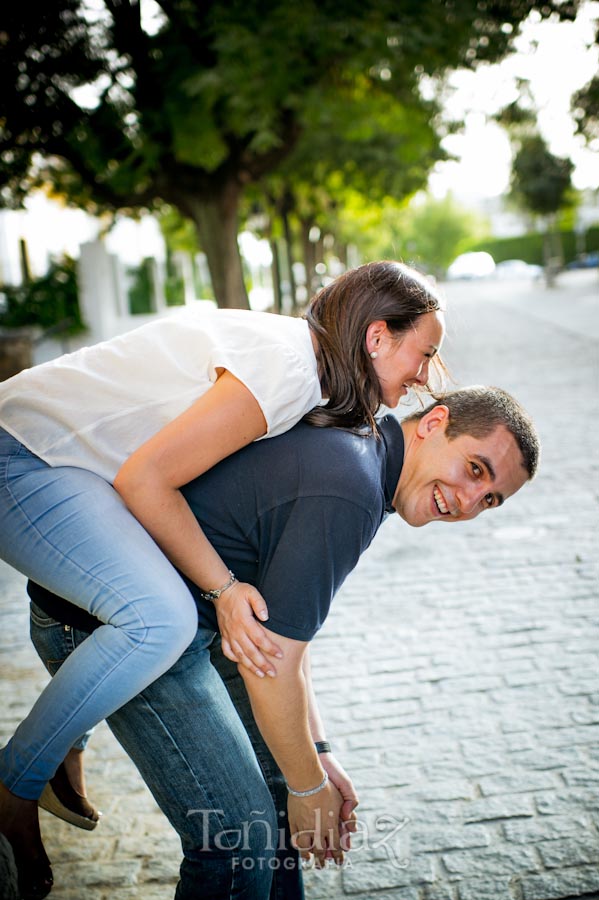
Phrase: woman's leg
x=65 y=795
x=69 y=530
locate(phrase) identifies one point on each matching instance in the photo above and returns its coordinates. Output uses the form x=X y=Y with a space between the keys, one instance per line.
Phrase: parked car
x=512 y=269
x=476 y=264
x=584 y=261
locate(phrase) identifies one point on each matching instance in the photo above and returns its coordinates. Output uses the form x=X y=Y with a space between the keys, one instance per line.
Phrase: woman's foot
x=20 y=826
x=65 y=796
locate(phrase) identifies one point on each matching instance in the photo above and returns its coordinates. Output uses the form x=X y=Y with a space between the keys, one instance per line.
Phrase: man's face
x=455 y=480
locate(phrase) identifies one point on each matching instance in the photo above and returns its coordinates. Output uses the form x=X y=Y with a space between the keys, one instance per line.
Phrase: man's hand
x=348 y=819
x=314 y=823
x=244 y=640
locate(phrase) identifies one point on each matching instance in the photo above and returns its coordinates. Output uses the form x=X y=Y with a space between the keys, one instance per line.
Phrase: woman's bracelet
x=312 y=791
x=214 y=595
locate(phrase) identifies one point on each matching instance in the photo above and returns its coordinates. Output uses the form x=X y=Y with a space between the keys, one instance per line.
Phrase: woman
x=93 y=451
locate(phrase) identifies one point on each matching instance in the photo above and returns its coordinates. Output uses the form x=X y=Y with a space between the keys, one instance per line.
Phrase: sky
x=557 y=59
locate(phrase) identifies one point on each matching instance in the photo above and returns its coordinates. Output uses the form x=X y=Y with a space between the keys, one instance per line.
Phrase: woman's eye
x=489 y=499
x=476 y=470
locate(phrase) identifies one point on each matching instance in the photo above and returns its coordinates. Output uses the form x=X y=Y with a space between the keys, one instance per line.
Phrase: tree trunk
x=216 y=220
x=289 y=247
x=276 y=275
x=552 y=253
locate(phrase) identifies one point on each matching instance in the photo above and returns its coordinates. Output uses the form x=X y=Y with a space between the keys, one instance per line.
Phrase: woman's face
x=403 y=360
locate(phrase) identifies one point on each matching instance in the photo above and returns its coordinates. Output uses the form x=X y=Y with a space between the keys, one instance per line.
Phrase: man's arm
x=281 y=708
x=334 y=770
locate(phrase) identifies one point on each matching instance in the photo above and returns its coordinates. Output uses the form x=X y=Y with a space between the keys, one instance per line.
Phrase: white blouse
x=94 y=407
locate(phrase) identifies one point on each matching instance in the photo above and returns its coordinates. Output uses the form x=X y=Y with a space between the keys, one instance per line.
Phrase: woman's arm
x=223 y=420
x=281 y=708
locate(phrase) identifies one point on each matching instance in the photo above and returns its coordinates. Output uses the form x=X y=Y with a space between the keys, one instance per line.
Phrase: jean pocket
x=41 y=618
x=51 y=640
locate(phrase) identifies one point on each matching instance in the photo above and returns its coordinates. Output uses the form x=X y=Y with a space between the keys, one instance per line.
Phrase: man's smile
x=440 y=502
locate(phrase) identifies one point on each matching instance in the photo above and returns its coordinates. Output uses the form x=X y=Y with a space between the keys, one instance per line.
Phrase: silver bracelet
x=215 y=594
x=312 y=791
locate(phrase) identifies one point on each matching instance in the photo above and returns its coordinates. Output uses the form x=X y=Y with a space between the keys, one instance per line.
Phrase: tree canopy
x=129 y=104
x=540 y=180
x=585 y=107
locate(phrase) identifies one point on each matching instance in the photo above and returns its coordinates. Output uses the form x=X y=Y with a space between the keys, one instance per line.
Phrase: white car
x=476 y=264
x=512 y=269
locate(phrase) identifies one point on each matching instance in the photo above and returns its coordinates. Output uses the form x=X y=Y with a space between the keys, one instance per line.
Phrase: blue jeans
x=193 y=738
x=69 y=530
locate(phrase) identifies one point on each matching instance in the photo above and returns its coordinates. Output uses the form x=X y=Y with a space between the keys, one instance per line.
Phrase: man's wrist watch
x=322 y=747
x=212 y=596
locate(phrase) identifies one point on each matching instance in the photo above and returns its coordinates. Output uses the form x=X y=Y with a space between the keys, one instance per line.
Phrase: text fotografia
x=379 y=839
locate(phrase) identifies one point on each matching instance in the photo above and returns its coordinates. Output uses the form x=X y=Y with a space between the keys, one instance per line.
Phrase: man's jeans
x=193 y=738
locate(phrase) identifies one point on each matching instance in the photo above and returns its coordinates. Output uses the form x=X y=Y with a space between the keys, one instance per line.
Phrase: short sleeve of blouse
x=274 y=358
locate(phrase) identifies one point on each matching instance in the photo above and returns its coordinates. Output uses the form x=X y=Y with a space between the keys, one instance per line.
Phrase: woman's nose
x=422 y=376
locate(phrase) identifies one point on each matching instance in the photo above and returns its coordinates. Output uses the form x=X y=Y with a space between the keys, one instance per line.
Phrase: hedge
x=529 y=247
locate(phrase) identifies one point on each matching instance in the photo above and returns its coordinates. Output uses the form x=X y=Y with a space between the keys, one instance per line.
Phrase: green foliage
x=178 y=232
x=541 y=181
x=141 y=288
x=529 y=247
x=427 y=234
x=216 y=90
x=436 y=230
x=116 y=116
x=174 y=285
x=585 y=107
x=50 y=302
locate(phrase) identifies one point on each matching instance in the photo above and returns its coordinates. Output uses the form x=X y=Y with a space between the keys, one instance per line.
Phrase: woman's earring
x=373 y=354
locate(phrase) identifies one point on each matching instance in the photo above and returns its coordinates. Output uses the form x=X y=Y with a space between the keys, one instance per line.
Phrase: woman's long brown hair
x=339 y=315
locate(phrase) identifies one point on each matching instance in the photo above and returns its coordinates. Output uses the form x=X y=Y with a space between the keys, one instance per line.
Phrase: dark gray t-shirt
x=291 y=515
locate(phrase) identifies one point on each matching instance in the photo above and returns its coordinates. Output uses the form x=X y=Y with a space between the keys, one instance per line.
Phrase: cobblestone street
x=457 y=672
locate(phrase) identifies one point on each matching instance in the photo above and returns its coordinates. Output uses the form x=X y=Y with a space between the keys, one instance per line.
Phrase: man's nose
x=470 y=498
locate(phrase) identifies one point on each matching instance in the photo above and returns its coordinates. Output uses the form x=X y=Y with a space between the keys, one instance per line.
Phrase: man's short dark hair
x=479 y=410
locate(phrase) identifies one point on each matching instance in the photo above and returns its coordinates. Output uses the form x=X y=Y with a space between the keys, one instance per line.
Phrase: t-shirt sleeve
x=307 y=549
x=280 y=373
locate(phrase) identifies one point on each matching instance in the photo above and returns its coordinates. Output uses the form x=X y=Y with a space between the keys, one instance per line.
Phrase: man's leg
x=287 y=876
x=191 y=749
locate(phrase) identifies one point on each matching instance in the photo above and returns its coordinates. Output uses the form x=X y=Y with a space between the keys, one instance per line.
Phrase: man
x=292 y=515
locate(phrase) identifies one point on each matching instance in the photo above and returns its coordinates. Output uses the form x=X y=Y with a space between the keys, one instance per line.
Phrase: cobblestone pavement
x=457 y=671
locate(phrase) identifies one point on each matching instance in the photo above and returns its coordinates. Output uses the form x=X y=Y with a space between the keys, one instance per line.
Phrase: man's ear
x=432 y=421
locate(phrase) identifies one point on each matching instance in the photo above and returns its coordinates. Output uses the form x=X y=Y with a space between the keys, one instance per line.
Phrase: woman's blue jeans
x=193 y=738
x=69 y=530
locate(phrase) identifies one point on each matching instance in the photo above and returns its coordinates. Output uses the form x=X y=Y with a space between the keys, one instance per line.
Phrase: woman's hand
x=348 y=819
x=244 y=640
x=314 y=825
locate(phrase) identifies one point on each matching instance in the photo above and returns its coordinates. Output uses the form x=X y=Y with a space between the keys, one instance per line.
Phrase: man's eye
x=489 y=499
x=476 y=470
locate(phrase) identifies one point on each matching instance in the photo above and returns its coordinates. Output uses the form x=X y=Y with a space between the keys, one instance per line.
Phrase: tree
x=541 y=183
x=436 y=230
x=540 y=180
x=585 y=108
x=376 y=149
x=121 y=112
